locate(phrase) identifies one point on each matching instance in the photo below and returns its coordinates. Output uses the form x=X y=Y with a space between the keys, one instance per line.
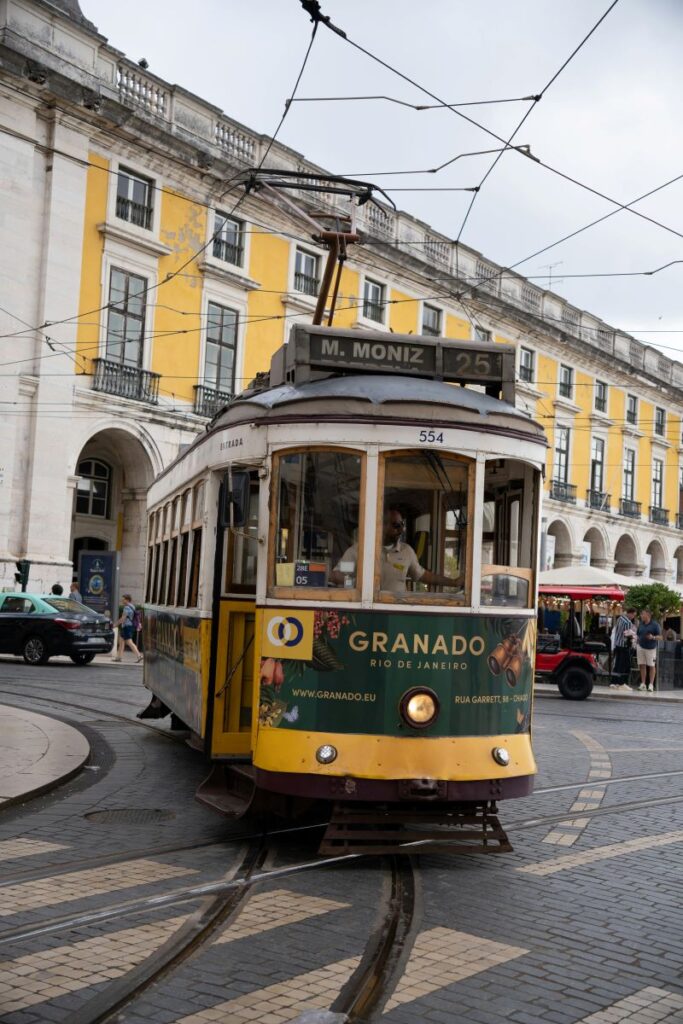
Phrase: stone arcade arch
x=678 y=562
x=626 y=561
x=599 y=547
x=659 y=565
x=118 y=523
x=564 y=545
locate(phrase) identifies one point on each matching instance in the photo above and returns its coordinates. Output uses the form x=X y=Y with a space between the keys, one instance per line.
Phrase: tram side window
x=193 y=586
x=242 y=548
x=425 y=526
x=317 y=520
x=508 y=542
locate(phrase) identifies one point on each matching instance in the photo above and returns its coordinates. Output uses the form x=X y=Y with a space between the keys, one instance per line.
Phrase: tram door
x=234 y=687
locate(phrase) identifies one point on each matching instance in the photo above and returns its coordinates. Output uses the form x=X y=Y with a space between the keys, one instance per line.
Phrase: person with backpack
x=126 y=626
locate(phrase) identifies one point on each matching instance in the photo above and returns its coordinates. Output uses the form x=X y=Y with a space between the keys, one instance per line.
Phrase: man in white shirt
x=398 y=560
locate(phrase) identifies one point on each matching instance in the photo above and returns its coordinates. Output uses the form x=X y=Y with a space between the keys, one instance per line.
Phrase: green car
x=39 y=626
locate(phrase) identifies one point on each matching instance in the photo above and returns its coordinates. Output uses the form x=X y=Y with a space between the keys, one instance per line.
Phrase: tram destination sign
x=316 y=351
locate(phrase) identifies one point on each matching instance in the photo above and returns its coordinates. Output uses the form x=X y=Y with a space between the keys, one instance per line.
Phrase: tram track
x=188 y=893
x=186 y=940
x=96 y=711
x=81 y=863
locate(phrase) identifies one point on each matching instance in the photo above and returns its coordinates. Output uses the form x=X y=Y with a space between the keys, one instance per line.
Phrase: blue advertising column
x=98 y=573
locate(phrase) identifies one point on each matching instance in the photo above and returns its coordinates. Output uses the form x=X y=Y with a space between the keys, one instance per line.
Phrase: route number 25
x=431 y=437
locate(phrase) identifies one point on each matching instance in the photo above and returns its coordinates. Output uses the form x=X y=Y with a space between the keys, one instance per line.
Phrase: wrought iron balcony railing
x=562 y=491
x=229 y=252
x=306 y=283
x=134 y=213
x=125 y=381
x=600 y=404
x=630 y=508
x=209 y=401
x=679 y=520
x=598 y=500
x=658 y=515
x=373 y=311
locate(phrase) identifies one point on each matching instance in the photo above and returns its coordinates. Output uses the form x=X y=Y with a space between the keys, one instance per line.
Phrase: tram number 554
x=431 y=437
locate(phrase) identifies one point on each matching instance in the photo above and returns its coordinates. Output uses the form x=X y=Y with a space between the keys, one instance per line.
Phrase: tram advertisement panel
x=174 y=661
x=341 y=671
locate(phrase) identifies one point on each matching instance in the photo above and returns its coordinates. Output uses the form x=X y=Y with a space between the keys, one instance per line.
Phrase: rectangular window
x=373 y=301
x=172 y=566
x=228 y=244
x=561 y=455
x=632 y=410
x=317 y=524
x=431 y=321
x=508 y=532
x=566 y=388
x=481 y=334
x=306 y=272
x=597 y=464
x=126 y=318
x=526 y=365
x=629 y=473
x=600 y=396
x=221 y=341
x=242 y=548
x=657 y=483
x=660 y=421
x=182 y=569
x=134 y=198
x=425 y=526
x=193 y=584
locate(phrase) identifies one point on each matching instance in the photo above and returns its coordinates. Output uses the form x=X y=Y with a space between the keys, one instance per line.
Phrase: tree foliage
x=659 y=598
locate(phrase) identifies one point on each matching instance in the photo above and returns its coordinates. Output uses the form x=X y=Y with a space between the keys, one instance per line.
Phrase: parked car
x=36 y=627
x=569 y=658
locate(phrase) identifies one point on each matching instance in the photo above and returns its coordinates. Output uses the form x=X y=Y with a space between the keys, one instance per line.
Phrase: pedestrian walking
x=649 y=632
x=75 y=594
x=126 y=629
x=623 y=635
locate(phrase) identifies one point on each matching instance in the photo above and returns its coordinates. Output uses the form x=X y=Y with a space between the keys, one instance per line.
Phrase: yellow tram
x=340 y=595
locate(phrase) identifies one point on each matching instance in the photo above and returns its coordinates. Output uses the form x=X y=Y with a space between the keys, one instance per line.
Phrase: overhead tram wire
x=413 y=106
x=535 y=101
x=313 y=5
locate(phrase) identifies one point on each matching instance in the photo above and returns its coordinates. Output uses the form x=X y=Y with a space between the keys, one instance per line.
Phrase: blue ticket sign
x=97 y=572
x=310 y=574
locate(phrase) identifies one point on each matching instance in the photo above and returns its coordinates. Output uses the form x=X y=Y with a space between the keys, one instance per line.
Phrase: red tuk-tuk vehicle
x=570 y=655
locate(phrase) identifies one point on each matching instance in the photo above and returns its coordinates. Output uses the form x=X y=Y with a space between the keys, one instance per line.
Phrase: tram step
x=466 y=828
x=228 y=789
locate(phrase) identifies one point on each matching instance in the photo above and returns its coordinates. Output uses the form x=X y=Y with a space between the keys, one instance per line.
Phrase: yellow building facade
x=169 y=285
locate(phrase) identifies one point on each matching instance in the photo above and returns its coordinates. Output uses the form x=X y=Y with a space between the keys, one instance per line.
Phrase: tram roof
x=380 y=390
x=380 y=399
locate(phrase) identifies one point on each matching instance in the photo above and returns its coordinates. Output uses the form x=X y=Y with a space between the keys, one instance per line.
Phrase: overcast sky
x=612 y=119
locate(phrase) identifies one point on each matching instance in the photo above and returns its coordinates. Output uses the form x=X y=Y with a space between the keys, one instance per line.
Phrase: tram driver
x=398 y=560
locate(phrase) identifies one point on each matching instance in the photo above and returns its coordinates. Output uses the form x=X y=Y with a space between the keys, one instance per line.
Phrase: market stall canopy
x=576 y=592
x=588 y=576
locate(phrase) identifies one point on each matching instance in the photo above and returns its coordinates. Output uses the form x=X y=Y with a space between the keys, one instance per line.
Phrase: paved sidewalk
x=600 y=692
x=36 y=753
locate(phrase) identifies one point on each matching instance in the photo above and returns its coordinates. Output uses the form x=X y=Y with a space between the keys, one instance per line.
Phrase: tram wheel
x=575 y=684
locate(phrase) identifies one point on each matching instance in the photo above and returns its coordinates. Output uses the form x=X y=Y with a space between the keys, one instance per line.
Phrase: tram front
x=395 y=620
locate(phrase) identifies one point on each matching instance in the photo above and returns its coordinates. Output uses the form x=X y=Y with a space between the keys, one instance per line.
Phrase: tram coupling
x=409 y=829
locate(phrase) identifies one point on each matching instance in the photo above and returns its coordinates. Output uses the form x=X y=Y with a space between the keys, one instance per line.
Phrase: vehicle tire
x=82 y=658
x=575 y=683
x=35 y=651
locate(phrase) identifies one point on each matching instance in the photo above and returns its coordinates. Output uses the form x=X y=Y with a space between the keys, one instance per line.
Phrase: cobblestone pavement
x=580 y=925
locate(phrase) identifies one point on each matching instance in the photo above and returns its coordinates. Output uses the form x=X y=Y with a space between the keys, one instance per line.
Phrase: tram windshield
x=508 y=542
x=317 y=517
x=425 y=525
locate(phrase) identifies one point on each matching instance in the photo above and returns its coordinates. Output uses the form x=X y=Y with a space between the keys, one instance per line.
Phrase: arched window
x=92 y=489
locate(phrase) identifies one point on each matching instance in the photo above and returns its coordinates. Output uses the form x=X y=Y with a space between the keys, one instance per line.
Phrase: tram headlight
x=326 y=754
x=419 y=707
x=501 y=756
